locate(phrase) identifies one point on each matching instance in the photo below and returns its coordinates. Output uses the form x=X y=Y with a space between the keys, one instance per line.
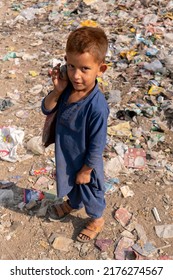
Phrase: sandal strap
x=59 y=211
x=89 y=233
x=66 y=207
x=91 y=230
x=92 y=226
x=63 y=208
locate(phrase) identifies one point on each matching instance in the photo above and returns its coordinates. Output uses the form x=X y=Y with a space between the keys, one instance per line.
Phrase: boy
x=81 y=129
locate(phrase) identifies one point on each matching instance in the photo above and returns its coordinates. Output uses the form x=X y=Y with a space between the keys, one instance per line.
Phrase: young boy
x=81 y=129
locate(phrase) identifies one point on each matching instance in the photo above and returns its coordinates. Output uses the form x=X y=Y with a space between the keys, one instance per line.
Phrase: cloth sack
x=48 y=136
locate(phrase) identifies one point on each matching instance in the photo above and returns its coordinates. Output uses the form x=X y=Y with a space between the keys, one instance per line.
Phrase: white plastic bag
x=10 y=138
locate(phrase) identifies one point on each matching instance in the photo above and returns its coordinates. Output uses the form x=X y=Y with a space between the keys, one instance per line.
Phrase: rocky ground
x=138 y=87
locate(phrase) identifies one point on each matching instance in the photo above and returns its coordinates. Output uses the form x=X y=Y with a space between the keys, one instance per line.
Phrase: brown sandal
x=60 y=211
x=91 y=231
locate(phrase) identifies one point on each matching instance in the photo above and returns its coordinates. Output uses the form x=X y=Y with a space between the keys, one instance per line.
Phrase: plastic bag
x=10 y=138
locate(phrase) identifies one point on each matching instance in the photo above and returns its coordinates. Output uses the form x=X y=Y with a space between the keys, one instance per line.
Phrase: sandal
x=59 y=211
x=91 y=231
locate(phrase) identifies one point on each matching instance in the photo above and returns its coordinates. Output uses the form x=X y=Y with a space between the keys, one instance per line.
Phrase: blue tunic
x=80 y=138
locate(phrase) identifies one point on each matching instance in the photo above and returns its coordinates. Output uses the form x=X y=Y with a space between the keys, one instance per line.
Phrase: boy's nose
x=76 y=74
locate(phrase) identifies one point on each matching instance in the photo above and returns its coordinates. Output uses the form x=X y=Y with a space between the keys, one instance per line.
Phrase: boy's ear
x=103 y=68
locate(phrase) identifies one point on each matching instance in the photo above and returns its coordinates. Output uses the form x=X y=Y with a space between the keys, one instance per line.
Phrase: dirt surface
x=23 y=233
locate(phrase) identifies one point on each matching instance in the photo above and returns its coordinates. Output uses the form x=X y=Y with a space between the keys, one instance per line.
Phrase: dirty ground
x=138 y=86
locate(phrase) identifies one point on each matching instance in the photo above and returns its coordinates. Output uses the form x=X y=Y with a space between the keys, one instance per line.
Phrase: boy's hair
x=88 y=39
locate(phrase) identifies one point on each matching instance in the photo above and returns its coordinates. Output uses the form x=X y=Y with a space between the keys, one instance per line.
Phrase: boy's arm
x=97 y=141
x=97 y=138
x=51 y=100
x=60 y=82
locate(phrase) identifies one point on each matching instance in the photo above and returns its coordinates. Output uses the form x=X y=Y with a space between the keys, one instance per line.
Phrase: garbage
x=164 y=231
x=156 y=214
x=8 y=56
x=122 y=129
x=154 y=66
x=126 y=191
x=114 y=96
x=146 y=250
x=135 y=158
x=10 y=139
x=103 y=244
x=6 y=184
x=6 y=197
x=35 y=145
x=113 y=166
x=32 y=195
x=5 y=104
x=139 y=90
x=62 y=243
x=141 y=233
x=31 y=204
x=39 y=171
x=123 y=216
x=122 y=248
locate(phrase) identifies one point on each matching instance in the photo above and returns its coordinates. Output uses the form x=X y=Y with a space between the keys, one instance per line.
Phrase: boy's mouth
x=77 y=83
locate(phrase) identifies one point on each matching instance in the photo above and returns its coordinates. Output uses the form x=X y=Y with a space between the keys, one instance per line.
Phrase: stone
x=62 y=243
x=123 y=216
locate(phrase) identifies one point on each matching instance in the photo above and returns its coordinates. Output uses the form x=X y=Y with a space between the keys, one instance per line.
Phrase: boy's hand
x=84 y=175
x=60 y=80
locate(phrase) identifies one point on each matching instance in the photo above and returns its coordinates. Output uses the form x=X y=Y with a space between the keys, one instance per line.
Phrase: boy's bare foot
x=91 y=230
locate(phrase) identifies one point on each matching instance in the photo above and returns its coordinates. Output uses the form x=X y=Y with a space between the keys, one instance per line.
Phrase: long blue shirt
x=80 y=138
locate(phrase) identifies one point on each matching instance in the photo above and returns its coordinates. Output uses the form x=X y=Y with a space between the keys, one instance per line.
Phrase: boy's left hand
x=84 y=175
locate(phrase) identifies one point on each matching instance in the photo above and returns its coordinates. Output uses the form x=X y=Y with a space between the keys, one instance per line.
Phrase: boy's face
x=82 y=71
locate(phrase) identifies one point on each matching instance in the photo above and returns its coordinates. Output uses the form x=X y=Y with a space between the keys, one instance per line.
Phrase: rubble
x=138 y=155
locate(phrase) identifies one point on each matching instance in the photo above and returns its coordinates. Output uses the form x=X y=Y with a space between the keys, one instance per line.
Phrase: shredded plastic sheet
x=10 y=138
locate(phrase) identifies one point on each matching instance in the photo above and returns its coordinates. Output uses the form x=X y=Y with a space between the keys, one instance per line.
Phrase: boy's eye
x=85 y=68
x=70 y=66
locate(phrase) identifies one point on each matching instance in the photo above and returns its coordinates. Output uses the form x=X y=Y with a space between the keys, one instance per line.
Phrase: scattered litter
x=6 y=197
x=6 y=184
x=123 y=216
x=35 y=145
x=135 y=158
x=39 y=171
x=5 y=104
x=126 y=191
x=156 y=214
x=164 y=231
x=139 y=90
x=32 y=195
x=146 y=250
x=62 y=243
x=122 y=248
x=10 y=138
x=103 y=244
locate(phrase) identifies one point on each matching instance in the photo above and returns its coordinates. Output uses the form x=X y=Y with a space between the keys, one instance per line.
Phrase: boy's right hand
x=59 y=81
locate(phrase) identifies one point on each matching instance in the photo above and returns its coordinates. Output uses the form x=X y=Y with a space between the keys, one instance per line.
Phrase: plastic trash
x=135 y=158
x=155 y=66
x=114 y=96
x=10 y=138
x=6 y=197
x=9 y=55
x=35 y=145
x=33 y=195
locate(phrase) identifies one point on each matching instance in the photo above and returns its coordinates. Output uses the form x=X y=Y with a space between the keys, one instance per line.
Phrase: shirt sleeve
x=97 y=138
x=44 y=110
